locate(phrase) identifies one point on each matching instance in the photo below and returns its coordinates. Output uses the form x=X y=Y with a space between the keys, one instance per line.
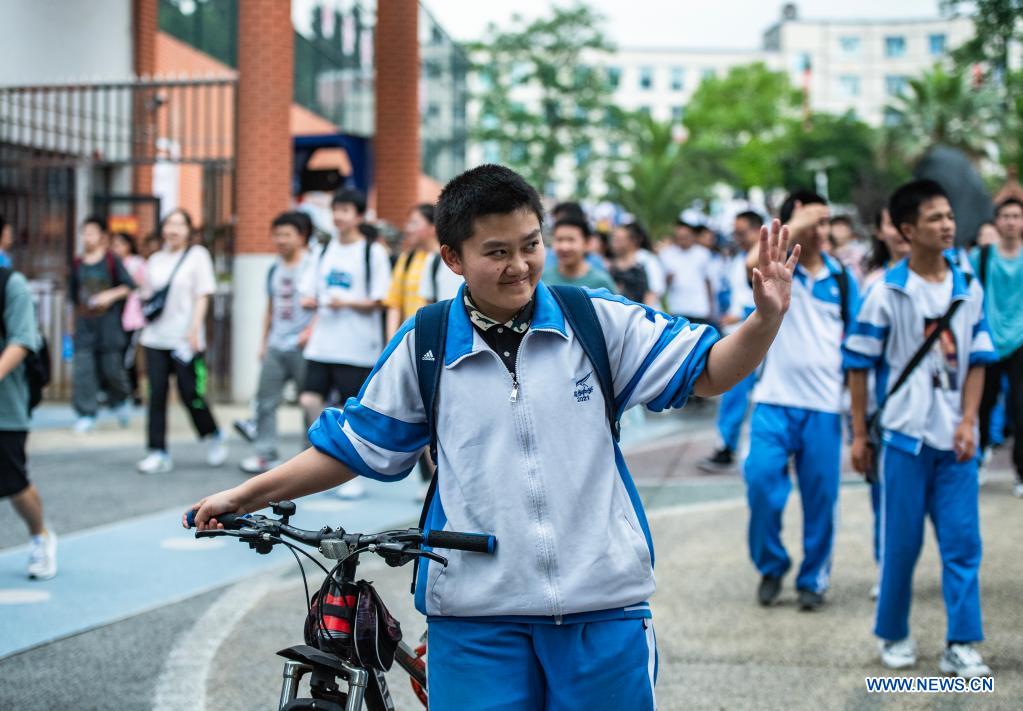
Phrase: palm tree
x=944 y=108
x=651 y=180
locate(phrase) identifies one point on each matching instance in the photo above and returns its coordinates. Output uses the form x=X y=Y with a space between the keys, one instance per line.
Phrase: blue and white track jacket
x=542 y=473
x=888 y=331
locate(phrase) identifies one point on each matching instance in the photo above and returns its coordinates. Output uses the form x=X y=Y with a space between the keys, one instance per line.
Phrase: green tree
x=943 y=107
x=652 y=180
x=741 y=119
x=541 y=99
x=997 y=24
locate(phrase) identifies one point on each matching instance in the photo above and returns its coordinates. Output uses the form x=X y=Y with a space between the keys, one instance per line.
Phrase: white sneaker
x=42 y=557
x=963 y=660
x=124 y=412
x=84 y=425
x=1017 y=490
x=155 y=463
x=875 y=591
x=216 y=452
x=257 y=464
x=900 y=654
x=351 y=490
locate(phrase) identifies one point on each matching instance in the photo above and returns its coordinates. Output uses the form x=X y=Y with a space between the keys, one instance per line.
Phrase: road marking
x=182 y=682
x=191 y=544
x=23 y=596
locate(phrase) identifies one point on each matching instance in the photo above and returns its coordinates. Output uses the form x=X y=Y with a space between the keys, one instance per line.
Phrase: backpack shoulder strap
x=985 y=260
x=270 y=280
x=842 y=279
x=582 y=317
x=112 y=269
x=430 y=333
x=5 y=275
x=369 y=267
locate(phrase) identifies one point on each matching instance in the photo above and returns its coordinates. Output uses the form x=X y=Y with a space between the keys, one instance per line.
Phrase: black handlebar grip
x=229 y=520
x=456 y=540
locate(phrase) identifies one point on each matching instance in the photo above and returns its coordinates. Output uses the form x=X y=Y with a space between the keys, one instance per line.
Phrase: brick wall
x=396 y=143
x=263 y=155
x=144 y=26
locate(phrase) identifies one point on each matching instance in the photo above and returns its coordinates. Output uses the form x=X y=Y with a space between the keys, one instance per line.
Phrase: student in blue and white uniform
x=798 y=401
x=527 y=455
x=928 y=463
x=735 y=403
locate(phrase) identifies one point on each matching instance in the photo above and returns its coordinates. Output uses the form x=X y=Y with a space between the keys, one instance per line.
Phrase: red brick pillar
x=396 y=143
x=263 y=180
x=145 y=26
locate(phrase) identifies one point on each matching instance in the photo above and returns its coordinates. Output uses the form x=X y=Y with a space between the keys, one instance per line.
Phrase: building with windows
x=844 y=65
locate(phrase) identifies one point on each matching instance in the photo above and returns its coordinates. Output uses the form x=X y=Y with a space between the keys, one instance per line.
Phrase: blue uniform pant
x=913 y=487
x=875 y=507
x=814 y=440
x=477 y=665
x=732 y=411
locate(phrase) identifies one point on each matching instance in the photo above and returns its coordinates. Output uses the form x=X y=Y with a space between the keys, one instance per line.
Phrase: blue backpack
x=431 y=333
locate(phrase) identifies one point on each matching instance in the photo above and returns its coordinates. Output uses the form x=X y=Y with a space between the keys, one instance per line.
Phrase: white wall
x=48 y=41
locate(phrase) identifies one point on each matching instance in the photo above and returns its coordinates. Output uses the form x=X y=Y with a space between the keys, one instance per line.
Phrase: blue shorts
x=517 y=666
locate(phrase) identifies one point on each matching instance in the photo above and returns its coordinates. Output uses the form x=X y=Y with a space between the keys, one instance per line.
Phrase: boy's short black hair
x=841 y=220
x=350 y=196
x=428 y=211
x=95 y=220
x=574 y=221
x=568 y=209
x=293 y=218
x=682 y=223
x=1008 y=202
x=904 y=204
x=484 y=190
x=803 y=197
x=754 y=218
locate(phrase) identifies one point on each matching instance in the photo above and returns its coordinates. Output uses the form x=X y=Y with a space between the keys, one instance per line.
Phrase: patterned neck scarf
x=519 y=323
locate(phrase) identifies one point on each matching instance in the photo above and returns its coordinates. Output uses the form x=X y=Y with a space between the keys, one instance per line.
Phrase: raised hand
x=772 y=277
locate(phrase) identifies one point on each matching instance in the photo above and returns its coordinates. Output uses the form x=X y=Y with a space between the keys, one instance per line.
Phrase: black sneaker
x=721 y=460
x=769 y=589
x=247 y=429
x=810 y=600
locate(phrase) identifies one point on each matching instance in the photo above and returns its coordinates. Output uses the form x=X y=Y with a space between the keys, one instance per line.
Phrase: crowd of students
x=887 y=343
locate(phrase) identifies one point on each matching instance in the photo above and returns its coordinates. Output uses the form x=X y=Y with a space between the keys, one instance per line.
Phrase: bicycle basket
x=376 y=632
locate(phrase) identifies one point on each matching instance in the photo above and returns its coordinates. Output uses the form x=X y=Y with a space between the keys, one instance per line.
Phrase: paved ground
x=718 y=649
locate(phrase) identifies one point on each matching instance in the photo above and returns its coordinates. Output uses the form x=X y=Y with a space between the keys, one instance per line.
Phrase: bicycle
x=335 y=642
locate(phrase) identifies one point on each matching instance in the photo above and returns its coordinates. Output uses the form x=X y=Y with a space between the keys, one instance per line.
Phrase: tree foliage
x=541 y=100
x=944 y=107
x=740 y=119
x=997 y=24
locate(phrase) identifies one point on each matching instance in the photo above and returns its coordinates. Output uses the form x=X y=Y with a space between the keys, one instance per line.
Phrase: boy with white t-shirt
x=927 y=460
x=346 y=285
x=688 y=265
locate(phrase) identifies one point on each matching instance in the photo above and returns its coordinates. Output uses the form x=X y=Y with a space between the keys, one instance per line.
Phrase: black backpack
x=37 y=363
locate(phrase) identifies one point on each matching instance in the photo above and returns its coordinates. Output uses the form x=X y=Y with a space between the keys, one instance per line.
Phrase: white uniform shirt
x=689 y=270
x=346 y=335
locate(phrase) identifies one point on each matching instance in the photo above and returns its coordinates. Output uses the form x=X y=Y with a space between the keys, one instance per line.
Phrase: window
x=848 y=85
x=646 y=78
x=709 y=73
x=677 y=113
x=892 y=117
x=801 y=62
x=849 y=45
x=678 y=78
x=614 y=76
x=895 y=46
x=645 y=110
x=936 y=44
x=894 y=84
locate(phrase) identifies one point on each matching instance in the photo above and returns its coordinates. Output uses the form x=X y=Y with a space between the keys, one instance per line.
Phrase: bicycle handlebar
x=453 y=540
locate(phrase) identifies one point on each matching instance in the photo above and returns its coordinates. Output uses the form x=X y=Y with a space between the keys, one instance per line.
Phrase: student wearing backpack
x=923 y=331
x=797 y=413
x=19 y=339
x=1000 y=270
x=524 y=396
x=98 y=286
x=346 y=285
x=403 y=299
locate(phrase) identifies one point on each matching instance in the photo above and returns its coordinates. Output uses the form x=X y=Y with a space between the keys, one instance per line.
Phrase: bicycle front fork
x=357 y=680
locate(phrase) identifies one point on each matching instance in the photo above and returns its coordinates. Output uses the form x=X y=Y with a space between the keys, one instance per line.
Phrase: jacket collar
x=897 y=276
x=463 y=341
